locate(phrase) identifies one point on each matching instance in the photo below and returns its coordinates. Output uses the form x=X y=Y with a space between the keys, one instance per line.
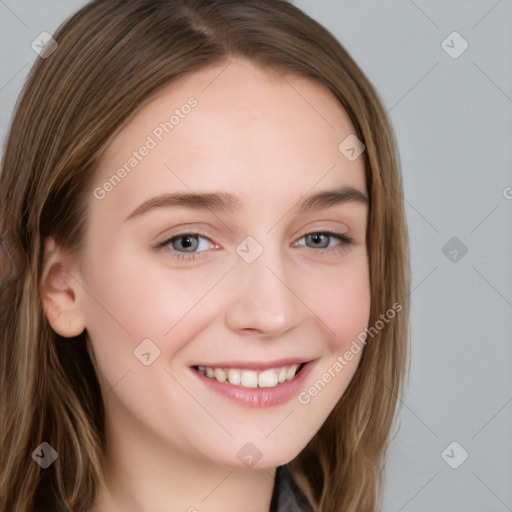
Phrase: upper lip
x=256 y=365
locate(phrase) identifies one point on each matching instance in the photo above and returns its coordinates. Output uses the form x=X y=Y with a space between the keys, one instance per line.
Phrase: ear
x=61 y=291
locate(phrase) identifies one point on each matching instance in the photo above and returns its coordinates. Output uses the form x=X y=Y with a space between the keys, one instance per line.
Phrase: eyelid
x=345 y=239
x=197 y=233
x=328 y=232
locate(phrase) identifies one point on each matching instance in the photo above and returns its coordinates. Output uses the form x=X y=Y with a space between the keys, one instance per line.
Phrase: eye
x=325 y=240
x=188 y=243
x=186 y=246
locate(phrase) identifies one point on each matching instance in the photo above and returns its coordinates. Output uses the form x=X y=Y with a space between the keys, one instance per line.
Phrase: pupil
x=318 y=239
x=187 y=242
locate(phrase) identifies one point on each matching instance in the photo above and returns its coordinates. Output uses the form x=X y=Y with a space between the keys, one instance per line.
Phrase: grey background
x=453 y=122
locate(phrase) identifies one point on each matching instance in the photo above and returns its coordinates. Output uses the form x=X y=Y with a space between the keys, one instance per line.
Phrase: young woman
x=205 y=306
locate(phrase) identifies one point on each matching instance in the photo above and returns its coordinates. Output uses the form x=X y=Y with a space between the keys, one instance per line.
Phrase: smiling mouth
x=268 y=378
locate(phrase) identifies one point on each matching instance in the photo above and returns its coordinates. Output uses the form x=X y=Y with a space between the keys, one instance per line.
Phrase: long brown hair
x=112 y=57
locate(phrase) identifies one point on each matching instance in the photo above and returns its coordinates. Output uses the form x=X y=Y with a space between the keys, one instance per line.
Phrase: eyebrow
x=225 y=202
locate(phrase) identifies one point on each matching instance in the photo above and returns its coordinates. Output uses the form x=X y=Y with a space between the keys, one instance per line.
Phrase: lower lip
x=259 y=397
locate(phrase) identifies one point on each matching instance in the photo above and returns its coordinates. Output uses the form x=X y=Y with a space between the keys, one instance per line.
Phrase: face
x=225 y=266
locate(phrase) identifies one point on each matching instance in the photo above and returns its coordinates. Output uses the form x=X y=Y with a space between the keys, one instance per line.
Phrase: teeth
x=233 y=377
x=268 y=379
x=220 y=375
x=250 y=378
x=290 y=372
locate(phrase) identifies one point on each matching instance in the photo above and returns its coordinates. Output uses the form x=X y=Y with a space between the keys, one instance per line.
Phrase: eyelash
x=346 y=243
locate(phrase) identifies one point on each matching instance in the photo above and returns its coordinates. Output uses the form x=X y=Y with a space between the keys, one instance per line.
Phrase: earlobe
x=60 y=292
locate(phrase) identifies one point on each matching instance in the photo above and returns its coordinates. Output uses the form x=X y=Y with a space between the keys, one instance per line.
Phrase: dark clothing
x=286 y=496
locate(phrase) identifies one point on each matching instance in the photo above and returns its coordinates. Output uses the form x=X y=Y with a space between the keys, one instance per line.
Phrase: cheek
x=169 y=305
x=343 y=308
x=348 y=313
x=342 y=303
x=128 y=303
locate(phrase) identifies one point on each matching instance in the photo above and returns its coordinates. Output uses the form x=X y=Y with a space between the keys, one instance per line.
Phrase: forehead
x=231 y=125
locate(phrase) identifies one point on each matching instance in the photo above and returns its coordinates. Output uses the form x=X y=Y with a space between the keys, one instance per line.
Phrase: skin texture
x=269 y=140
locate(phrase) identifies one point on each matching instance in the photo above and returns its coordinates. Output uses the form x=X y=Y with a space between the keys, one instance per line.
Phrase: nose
x=263 y=300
